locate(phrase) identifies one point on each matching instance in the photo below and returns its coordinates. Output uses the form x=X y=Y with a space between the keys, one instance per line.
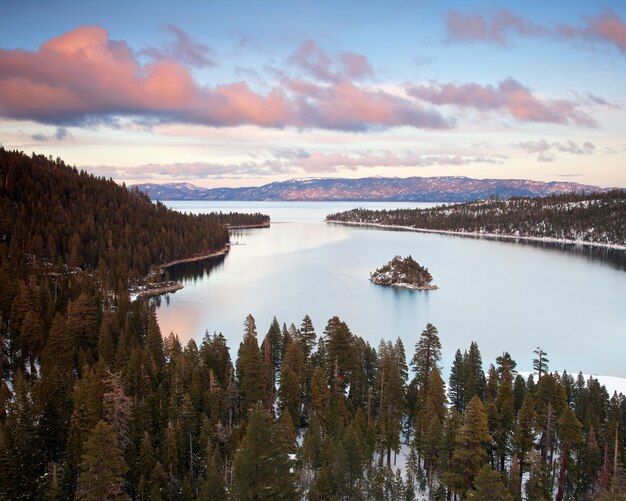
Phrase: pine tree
x=489 y=485
x=550 y=401
x=340 y=354
x=427 y=356
x=474 y=375
x=250 y=372
x=320 y=395
x=212 y=485
x=289 y=393
x=570 y=433
x=261 y=466
x=117 y=409
x=275 y=339
x=143 y=466
x=456 y=390
x=473 y=435
x=538 y=483
x=540 y=364
x=308 y=336
x=391 y=394
x=154 y=340
x=102 y=467
x=505 y=408
x=519 y=392
x=450 y=471
x=524 y=434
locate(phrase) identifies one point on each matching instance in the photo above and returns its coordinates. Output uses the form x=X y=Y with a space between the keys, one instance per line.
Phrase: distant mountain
x=410 y=189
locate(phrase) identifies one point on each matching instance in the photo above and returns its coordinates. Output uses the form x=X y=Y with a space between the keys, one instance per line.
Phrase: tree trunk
x=559 y=494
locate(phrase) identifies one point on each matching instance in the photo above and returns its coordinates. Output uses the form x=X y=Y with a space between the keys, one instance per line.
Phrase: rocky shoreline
x=148 y=287
x=401 y=285
x=404 y=273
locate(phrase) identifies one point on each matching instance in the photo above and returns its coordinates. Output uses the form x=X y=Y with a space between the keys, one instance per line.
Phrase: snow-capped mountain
x=410 y=189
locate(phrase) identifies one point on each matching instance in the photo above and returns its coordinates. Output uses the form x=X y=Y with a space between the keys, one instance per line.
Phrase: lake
x=505 y=295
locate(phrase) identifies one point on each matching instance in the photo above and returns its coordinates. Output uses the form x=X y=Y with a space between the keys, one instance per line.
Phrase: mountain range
x=410 y=189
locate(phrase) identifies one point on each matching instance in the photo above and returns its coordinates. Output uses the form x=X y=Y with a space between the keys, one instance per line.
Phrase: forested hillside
x=56 y=215
x=95 y=404
x=235 y=219
x=595 y=217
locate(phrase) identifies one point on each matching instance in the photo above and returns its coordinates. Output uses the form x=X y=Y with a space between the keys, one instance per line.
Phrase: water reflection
x=615 y=258
x=505 y=295
x=195 y=270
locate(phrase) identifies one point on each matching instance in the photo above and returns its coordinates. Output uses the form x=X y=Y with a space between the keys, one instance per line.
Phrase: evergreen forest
x=589 y=217
x=96 y=403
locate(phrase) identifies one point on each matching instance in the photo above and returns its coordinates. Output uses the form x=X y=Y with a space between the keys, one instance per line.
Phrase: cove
x=505 y=295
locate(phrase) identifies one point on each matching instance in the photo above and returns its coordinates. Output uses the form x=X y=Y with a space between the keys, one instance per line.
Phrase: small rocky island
x=403 y=272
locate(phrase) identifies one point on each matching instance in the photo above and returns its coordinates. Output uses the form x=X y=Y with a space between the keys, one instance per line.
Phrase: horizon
x=324 y=178
x=239 y=94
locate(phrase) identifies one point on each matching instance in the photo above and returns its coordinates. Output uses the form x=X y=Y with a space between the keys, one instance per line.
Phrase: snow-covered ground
x=484 y=235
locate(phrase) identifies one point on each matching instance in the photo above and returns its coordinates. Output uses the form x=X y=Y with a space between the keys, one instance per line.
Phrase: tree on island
x=403 y=272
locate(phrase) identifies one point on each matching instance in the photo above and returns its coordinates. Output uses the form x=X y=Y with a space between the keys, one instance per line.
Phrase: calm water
x=501 y=294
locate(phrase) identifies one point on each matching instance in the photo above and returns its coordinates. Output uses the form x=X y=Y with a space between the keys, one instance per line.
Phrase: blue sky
x=244 y=93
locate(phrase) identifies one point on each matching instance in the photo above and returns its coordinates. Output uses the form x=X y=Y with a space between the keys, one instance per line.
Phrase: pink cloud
x=607 y=27
x=84 y=77
x=184 y=50
x=318 y=64
x=509 y=96
x=347 y=106
x=356 y=65
x=498 y=26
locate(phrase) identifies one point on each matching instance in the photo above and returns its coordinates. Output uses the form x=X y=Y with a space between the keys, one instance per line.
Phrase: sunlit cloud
x=500 y=25
x=510 y=96
x=316 y=63
x=184 y=49
x=495 y=28
x=83 y=77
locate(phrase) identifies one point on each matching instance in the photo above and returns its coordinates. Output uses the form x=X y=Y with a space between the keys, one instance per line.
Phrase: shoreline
x=152 y=289
x=408 y=286
x=222 y=252
x=490 y=236
x=155 y=289
x=247 y=226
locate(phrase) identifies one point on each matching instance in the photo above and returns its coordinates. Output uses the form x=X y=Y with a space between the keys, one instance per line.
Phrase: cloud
x=83 y=78
x=316 y=63
x=585 y=148
x=546 y=151
x=509 y=96
x=193 y=170
x=60 y=134
x=184 y=50
x=333 y=162
x=546 y=157
x=294 y=161
x=346 y=106
x=498 y=27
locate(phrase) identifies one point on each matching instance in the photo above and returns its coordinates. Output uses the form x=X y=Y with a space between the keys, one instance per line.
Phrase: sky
x=243 y=93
